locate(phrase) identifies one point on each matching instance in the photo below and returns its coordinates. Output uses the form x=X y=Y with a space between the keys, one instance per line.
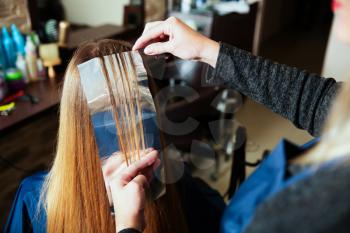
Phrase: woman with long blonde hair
x=73 y=196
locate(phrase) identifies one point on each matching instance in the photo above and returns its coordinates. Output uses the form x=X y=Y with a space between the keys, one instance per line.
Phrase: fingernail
x=146 y=156
x=135 y=47
x=151 y=159
x=153 y=152
x=148 y=150
x=148 y=50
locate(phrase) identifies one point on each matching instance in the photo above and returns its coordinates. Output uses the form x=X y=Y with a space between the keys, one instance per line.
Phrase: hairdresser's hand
x=175 y=37
x=128 y=186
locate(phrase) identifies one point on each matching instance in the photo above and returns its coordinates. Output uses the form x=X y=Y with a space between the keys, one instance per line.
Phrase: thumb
x=158 y=48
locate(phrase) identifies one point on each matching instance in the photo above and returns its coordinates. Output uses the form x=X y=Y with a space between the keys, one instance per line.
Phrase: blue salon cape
x=265 y=182
x=24 y=216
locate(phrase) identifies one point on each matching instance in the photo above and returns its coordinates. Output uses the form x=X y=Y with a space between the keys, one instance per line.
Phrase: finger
x=158 y=48
x=151 y=34
x=141 y=180
x=112 y=163
x=149 y=171
x=109 y=193
x=151 y=25
x=134 y=169
x=120 y=169
x=156 y=164
x=146 y=152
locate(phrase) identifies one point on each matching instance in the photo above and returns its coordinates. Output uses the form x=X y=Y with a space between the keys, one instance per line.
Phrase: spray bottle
x=18 y=39
x=9 y=47
x=31 y=59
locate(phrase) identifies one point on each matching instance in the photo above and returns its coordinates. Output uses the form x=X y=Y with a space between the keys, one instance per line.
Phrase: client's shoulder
x=24 y=215
x=31 y=186
x=34 y=181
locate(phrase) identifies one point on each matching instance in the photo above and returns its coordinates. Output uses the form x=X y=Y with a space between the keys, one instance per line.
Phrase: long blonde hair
x=335 y=139
x=74 y=193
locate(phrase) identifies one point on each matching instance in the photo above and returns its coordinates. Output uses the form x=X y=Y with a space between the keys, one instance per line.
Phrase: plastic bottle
x=22 y=66
x=186 y=6
x=35 y=38
x=3 y=62
x=200 y=4
x=18 y=39
x=31 y=59
x=9 y=47
x=14 y=80
x=41 y=69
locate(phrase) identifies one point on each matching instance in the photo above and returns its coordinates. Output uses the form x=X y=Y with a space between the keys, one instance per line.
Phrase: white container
x=31 y=59
x=41 y=69
x=21 y=64
x=186 y=6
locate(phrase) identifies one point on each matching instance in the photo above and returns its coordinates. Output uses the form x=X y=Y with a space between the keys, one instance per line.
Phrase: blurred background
x=38 y=38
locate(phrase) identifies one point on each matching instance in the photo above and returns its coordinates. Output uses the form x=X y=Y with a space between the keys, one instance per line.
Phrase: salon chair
x=186 y=78
x=202 y=103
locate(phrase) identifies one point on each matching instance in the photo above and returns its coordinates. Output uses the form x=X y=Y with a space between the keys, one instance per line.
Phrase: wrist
x=129 y=222
x=209 y=52
x=129 y=230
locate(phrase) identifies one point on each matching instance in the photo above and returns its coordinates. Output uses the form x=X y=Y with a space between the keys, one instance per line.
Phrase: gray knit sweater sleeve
x=301 y=97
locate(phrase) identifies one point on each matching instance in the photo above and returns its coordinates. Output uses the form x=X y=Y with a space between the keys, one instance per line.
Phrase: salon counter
x=48 y=93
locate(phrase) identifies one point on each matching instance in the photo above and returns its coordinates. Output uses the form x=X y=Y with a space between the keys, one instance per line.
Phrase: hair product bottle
x=14 y=80
x=18 y=39
x=186 y=6
x=41 y=69
x=9 y=47
x=31 y=59
x=22 y=66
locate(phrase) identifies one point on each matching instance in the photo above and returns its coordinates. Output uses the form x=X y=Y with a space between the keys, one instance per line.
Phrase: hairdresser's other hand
x=115 y=163
x=175 y=37
x=128 y=187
